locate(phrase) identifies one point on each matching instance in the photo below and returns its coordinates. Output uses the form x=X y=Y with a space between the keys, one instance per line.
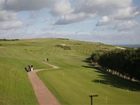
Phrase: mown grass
x=72 y=83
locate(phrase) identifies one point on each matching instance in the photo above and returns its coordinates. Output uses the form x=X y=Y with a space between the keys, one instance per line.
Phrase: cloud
x=56 y=6
x=70 y=12
x=7 y=25
x=61 y=7
x=104 y=21
x=71 y=18
x=22 y=5
x=122 y=18
x=65 y=7
x=9 y=20
x=2 y=4
x=126 y=25
x=101 y=7
x=126 y=13
x=6 y=16
x=110 y=12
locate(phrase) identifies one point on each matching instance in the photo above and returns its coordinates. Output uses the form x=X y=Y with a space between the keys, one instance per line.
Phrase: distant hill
x=130 y=45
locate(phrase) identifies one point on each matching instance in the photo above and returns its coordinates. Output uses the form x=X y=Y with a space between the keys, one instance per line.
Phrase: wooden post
x=91 y=98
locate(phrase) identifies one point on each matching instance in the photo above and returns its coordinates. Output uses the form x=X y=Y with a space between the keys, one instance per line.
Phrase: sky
x=106 y=21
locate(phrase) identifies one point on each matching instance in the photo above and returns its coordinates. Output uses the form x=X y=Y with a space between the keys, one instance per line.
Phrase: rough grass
x=72 y=83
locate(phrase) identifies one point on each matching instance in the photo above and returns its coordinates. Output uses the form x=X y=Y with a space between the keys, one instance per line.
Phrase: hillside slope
x=72 y=83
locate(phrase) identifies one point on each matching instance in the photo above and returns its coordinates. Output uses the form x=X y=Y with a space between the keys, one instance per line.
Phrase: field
x=72 y=83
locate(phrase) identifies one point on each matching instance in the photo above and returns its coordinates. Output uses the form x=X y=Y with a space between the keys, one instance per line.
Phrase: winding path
x=53 y=66
x=44 y=96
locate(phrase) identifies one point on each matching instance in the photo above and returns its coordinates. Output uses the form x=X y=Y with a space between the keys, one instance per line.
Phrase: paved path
x=44 y=96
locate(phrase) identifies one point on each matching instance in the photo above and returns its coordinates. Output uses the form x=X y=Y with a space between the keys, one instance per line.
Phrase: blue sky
x=107 y=21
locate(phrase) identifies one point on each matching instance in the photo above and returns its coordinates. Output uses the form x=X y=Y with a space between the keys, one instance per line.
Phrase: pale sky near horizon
x=106 y=21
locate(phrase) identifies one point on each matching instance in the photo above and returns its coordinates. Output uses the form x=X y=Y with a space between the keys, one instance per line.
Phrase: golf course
x=72 y=80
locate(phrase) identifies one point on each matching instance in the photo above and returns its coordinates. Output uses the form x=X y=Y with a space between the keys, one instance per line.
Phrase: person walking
x=29 y=68
x=32 y=68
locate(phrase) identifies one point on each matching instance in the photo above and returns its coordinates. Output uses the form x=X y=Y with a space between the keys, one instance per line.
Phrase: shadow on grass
x=113 y=80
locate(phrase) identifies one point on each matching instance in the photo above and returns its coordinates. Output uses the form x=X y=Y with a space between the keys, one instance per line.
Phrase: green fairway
x=72 y=83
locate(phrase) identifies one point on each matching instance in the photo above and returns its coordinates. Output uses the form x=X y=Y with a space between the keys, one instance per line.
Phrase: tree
x=125 y=62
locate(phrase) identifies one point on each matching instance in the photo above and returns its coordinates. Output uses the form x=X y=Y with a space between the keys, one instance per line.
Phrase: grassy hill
x=72 y=83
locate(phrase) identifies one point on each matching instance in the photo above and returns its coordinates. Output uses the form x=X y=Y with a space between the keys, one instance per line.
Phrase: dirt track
x=44 y=96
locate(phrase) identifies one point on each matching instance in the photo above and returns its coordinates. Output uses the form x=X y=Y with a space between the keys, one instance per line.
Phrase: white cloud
x=6 y=15
x=122 y=17
x=126 y=25
x=6 y=25
x=104 y=21
x=126 y=13
x=9 y=20
x=71 y=18
x=71 y=12
x=1 y=3
x=101 y=7
x=61 y=7
x=111 y=12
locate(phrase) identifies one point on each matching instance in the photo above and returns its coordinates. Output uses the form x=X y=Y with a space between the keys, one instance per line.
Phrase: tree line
x=124 y=63
x=9 y=39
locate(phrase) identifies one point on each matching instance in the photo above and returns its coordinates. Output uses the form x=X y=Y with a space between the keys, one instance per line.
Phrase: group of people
x=29 y=68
